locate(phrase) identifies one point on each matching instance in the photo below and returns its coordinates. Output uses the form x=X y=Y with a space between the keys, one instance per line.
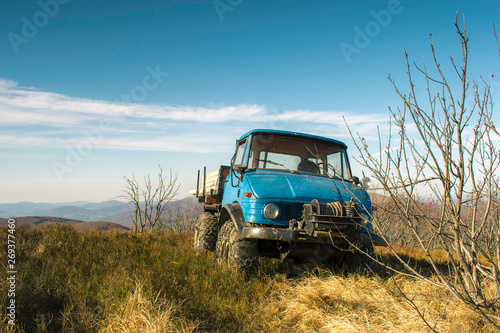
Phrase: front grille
x=290 y=211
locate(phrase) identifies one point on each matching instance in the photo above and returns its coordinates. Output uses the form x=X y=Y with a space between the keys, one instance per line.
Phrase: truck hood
x=304 y=187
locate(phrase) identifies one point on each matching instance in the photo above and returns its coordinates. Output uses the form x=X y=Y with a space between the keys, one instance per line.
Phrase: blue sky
x=94 y=90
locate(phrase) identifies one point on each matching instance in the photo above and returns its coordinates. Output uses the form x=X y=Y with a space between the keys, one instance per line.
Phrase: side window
x=240 y=153
x=337 y=162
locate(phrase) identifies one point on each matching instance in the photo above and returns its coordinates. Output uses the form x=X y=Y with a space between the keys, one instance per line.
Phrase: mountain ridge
x=110 y=210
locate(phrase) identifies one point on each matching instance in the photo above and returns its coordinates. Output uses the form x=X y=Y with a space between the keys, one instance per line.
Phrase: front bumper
x=362 y=239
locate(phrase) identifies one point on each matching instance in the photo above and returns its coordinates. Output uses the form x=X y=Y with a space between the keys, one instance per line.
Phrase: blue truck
x=285 y=195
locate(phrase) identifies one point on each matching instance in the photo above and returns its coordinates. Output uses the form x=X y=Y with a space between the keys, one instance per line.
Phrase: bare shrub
x=442 y=143
x=150 y=201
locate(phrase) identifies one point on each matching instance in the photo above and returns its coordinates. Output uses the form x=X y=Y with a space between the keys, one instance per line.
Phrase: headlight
x=366 y=182
x=364 y=219
x=271 y=211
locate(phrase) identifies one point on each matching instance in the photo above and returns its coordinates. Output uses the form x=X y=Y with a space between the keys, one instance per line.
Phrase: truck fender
x=235 y=213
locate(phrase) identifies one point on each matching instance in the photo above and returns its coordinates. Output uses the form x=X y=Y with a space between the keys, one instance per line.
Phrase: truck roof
x=304 y=135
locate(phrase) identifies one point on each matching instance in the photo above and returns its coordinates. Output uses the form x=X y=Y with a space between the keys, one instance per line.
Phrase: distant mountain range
x=110 y=211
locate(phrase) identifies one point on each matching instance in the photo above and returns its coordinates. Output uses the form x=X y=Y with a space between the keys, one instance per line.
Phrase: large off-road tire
x=234 y=250
x=205 y=232
x=360 y=261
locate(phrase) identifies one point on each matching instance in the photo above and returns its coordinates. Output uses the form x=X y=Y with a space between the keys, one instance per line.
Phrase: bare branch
x=453 y=160
x=496 y=38
x=150 y=202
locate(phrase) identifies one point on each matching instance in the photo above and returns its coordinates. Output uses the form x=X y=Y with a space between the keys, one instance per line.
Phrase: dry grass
x=416 y=254
x=73 y=281
x=365 y=304
x=140 y=312
x=439 y=256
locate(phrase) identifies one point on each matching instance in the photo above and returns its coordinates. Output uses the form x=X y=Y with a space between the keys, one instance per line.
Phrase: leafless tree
x=150 y=201
x=441 y=143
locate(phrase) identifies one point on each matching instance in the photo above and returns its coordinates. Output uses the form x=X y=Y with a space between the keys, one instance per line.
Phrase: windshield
x=298 y=154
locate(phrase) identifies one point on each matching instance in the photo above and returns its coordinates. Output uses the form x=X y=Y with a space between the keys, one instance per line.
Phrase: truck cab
x=284 y=194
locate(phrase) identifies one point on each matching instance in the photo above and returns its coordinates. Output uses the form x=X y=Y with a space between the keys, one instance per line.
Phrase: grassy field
x=154 y=282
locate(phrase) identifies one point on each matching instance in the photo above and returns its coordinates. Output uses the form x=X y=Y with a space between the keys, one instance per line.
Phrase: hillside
x=155 y=282
x=37 y=220
x=100 y=226
x=43 y=221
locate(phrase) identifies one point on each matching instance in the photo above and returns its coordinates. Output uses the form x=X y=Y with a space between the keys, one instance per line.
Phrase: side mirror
x=365 y=182
x=239 y=168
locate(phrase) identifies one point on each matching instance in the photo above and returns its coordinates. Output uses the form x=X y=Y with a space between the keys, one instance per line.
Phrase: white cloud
x=37 y=118
x=7 y=84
